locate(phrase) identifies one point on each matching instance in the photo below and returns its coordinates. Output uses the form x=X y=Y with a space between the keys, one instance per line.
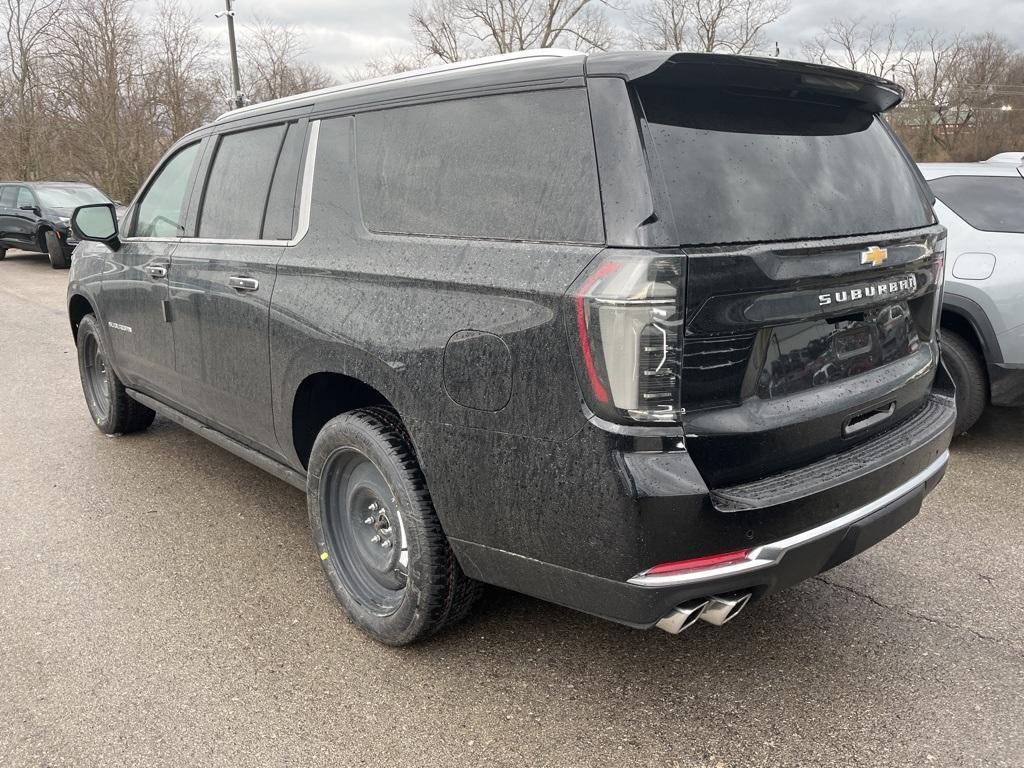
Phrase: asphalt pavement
x=161 y=605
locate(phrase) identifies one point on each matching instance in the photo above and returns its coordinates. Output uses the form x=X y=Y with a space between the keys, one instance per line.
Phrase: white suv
x=982 y=206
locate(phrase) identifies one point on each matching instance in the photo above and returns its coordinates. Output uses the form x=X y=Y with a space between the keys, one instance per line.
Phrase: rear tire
x=967 y=370
x=112 y=410
x=378 y=537
x=3 y=253
x=55 y=249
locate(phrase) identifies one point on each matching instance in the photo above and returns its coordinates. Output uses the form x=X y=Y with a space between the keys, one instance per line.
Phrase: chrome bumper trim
x=770 y=554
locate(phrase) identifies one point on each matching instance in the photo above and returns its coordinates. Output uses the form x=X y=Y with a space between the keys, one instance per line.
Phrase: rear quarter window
x=508 y=167
x=990 y=203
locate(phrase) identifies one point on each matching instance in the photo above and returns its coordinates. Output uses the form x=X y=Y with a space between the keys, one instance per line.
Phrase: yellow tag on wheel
x=323 y=555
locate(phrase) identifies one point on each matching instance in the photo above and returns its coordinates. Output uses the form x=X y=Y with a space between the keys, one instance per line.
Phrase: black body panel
x=470 y=338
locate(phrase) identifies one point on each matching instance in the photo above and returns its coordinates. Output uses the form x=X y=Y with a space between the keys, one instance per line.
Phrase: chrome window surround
x=305 y=203
x=771 y=554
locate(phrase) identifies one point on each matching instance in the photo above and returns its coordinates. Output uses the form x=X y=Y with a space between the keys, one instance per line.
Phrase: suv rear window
x=990 y=203
x=747 y=167
x=510 y=167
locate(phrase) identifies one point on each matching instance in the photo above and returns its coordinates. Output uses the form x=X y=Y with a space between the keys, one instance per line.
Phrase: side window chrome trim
x=306 y=199
x=305 y=202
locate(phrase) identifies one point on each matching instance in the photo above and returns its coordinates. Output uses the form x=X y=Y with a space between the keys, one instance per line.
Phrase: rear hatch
x=812 y=271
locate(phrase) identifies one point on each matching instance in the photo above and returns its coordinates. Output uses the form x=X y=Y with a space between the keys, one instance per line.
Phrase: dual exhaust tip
x=715 y=610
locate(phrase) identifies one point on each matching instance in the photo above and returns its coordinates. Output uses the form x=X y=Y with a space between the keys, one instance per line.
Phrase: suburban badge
x=874 y=256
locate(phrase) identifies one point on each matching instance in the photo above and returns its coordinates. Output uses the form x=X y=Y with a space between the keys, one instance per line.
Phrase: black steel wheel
x=377 y=535
x=112 y=410
x=95 y=381
x=363 y=530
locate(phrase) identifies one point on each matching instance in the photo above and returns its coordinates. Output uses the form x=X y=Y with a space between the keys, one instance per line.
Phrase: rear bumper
x=796 y=525
x=642 y=601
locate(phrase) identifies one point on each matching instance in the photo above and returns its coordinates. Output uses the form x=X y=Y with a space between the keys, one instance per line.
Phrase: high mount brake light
x=628 y=323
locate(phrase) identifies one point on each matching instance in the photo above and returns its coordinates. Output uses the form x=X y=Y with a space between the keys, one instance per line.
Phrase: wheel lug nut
x=368 y=521
x=375 y=539
x=386 y=544
x=373 y=507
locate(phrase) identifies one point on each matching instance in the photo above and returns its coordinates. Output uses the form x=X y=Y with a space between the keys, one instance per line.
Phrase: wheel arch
x=966 y=318
x=78 y=307
x=321 y=396
x=41 y=231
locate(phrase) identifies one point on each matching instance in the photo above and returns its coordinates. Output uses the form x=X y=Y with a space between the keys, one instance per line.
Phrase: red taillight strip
x=699 y=563
x=596 y=386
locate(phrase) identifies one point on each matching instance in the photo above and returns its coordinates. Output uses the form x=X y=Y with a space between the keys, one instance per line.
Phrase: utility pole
x=236 y=83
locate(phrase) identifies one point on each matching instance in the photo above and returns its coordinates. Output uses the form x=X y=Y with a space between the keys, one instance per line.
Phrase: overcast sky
x=343 y=33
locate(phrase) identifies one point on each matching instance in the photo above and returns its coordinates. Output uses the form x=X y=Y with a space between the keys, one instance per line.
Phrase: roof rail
x=499 y=59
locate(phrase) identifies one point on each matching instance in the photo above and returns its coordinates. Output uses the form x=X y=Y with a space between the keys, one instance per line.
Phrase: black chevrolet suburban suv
x=644 y=334
x=36 y=216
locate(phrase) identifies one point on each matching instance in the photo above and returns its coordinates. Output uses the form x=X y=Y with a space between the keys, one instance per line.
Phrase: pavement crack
x=914 y=614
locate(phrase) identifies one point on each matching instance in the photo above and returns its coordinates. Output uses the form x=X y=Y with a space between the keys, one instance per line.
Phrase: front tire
x=112 y=410
x=56 y=251
x=967 y=370
x=378 y=537
x=3 y=253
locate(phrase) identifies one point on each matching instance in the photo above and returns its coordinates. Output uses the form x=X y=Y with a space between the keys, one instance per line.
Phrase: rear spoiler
x=791 y=79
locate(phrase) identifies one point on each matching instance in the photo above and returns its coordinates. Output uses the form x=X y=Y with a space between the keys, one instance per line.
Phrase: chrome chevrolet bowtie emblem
x=874 y=256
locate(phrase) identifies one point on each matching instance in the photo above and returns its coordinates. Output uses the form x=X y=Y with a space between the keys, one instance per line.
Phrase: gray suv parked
x=526 y=321
x=982 y=207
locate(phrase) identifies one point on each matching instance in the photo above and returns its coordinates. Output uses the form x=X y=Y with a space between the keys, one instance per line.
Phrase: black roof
x=554 y=67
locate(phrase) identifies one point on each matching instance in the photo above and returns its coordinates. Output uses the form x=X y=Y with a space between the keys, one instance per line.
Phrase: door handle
x=156 y=271
x=244 y=283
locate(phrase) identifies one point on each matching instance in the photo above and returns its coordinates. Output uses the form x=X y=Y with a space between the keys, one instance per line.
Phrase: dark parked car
x=36 y=216
x=646 y=335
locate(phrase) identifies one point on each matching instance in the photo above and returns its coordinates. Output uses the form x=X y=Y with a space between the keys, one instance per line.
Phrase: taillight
x=699 y=563
x=628 y=326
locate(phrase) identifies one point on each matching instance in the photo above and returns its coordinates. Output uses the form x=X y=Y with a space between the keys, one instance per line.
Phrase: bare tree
x=272 y=63
x=28 y=25
x=183 y=80
x=727 y=26
x=878 y=48
x=110 y=122
x=960 y=93
x=389 y=62
x=451 y=30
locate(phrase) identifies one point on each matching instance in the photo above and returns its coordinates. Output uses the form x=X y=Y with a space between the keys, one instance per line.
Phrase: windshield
x=69 y=197
x=742 y=166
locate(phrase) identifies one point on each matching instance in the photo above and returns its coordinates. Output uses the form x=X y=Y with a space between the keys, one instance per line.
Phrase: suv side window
x=279 y=223
x=239 y=183
x=161 y=210
x=25 y=197
x=990 y=203
x=516 y=166
x=6 y=197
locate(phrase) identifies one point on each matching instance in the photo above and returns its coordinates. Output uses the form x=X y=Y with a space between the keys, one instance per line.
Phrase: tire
x=59 y=257
x=967 y=370
x=3 y=253
x=376 y=532
x=112 y=410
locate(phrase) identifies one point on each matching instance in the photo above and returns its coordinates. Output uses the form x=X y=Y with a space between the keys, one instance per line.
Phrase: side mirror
x=96 y=222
